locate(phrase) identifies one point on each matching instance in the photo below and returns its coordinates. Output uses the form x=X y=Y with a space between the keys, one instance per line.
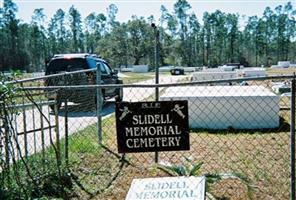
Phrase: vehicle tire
x=119 y=96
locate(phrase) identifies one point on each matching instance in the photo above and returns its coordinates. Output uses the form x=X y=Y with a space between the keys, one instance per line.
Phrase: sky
x=145 y=8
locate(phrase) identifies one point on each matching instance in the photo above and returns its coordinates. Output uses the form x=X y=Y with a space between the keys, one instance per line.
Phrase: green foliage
x=191 y=168
x=217 y=40
x=8 y=90
x=11 y=193
x=51 y=186
x=24 y=178
x=55 y=186
x=76 y=29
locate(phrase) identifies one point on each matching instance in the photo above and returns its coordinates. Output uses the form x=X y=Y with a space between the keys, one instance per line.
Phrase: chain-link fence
x=60 y=139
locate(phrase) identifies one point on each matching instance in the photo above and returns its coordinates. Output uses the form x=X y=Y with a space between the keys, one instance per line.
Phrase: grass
x=261 y=156
x=130 y=77
x=280 y=71
x=89 y=164
x=137 y=77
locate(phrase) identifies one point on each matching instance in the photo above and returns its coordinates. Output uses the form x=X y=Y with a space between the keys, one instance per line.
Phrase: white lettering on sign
x=151 y=119
x=152 y=126
x=168 y=188
x=142 y=130
x=153 y=142
x=151 y=105
x=151 y=131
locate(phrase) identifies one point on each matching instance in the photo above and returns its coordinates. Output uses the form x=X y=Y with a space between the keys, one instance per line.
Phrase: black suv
x=73 y=62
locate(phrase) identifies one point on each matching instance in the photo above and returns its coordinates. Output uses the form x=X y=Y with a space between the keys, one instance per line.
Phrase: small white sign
x=167 y=188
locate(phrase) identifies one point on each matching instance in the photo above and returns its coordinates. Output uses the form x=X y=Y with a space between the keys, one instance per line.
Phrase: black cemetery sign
x=152 y=126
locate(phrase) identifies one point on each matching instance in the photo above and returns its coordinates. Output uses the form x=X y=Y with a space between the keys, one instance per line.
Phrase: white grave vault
x=221 y=107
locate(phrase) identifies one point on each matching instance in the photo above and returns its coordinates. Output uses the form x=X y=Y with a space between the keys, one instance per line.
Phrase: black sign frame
x=152 y=126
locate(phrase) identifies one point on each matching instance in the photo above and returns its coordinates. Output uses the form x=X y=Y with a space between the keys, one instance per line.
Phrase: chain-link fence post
x=99 y=103
x=6 y=143
x=156 y=33
x=42 y=135
x=66 y=133
x=34 y=133
x=57 y=131
x=292 y=194
x=24 y=124
x=1 y=139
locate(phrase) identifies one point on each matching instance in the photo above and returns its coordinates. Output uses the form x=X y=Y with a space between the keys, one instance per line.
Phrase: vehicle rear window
x=59 y=65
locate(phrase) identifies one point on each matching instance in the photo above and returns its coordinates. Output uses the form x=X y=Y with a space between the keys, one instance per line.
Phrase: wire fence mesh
x=239 y=127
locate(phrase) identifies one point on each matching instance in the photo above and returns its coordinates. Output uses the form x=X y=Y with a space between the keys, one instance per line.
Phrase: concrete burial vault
x=223 y=107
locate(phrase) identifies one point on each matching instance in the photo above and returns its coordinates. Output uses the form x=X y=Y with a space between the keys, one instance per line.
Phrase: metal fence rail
x=246 y=130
